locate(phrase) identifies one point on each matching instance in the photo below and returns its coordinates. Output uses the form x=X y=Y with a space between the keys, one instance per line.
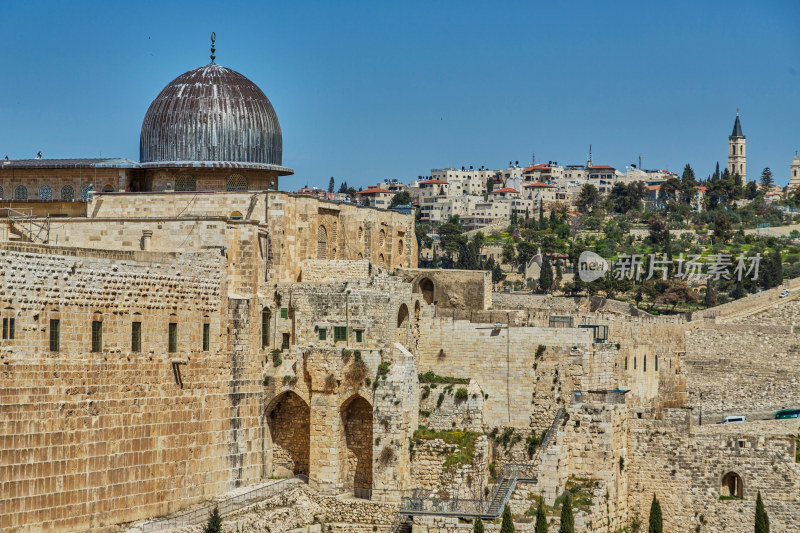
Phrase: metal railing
x=234 y=503
x=420 y=502
x=23 y=222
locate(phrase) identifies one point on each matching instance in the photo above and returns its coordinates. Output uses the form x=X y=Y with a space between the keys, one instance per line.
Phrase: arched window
x=236 y=182
x=381 y=238
x=85 y=192
x=382 y=261
x=45 y=193
x=360 y=233
x=400 y=249
x=21 y=193
x=732 y=485
x=322 y=243
x=185 y=182
x=67 y=193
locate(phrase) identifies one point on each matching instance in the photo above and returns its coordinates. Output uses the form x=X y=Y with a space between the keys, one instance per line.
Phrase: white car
x=784 y=293
x=733 y=419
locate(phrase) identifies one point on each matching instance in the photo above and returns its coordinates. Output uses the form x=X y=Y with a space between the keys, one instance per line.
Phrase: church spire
x=737 y=127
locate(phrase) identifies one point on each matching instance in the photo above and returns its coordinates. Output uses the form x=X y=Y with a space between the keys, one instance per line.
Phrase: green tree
x=762 y=520
x=478 y=527
x=343 y=188
x=589 y=198
x=331 y=185
x=546 y=275
x=722 y=229
x=507 y=526
x=509 y=253
x=541 y=518
x=656 y=524
x=567 y=519
x=710 y=298
x=401 y=198
x=214 y=524
x=766 y=180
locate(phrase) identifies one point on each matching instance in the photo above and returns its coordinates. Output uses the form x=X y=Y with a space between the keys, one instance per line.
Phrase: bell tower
x=737 y=160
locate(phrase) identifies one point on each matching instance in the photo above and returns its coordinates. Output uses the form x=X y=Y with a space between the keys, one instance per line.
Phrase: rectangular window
x=206 y=336
x=285 y=343
x=656 y=363
x=265 y=316
x=644 y=364
x=284 y=312
x=55 y=334
x=322 y=334
x=136 y=336
x=626 y=363
x=8 y=327
x=359 y=336
x=97 y=336
x=173 y=338
x=340 y=333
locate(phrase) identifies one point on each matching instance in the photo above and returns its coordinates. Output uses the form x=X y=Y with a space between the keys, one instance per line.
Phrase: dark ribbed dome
x=212 y=114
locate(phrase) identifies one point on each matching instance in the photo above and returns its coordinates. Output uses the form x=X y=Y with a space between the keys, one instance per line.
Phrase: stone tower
x=737 y=160
x=794 y=172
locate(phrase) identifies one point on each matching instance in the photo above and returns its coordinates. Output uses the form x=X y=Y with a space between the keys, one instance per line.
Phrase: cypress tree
x=656 y=524
x=546 y=275
x=567 y=519
x=478 y=527
x=762 y=521
x=214 y=524
x=541 y=518
x=507 y=526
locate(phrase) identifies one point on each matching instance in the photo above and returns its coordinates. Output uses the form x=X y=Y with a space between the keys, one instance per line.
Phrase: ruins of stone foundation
x=207 y=340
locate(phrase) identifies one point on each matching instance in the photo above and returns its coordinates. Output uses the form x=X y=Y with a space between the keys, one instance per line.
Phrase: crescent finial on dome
x=213 y=38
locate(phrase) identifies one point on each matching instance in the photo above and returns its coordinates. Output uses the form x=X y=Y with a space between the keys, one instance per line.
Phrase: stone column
x=323 y=465
x=146 y=238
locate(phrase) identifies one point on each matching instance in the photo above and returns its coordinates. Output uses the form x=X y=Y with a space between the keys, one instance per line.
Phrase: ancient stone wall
x=95 y=438
x=435 y=470
x=689 y=473
x=56 y=179
x=441 y=409
x=452 y=289
x=315 y=270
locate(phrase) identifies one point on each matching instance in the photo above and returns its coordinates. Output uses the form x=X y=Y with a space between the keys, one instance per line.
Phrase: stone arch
x=360 y=233
x=400 y=249
x=381 y=261
x=21 y=193
x=236 y=182
x=426 y=288
x=732 y=485
x=67 y=193
x=288 y=441
x=322 y=243
x=355 y=444
x=402 y=316
x=45 y=192
x=417 y=310
x=381 y=238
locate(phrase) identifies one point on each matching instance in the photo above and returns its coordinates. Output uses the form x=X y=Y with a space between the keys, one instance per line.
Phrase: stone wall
x=429 y=470
x=335 y=270
x=91 y=439
x=452 y=289
x=686 y=471
x=440 y=409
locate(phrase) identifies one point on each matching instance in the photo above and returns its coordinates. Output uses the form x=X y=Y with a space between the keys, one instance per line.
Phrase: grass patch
x=464 y=440
x=431 y=377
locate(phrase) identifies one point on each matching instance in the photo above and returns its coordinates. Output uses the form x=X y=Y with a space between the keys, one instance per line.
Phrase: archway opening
x=732 y=485
x=355 y=465
x=288 y=421
x=426 y=287
x=322 y=243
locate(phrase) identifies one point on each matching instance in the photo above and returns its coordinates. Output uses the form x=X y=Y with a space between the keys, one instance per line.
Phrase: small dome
x=212 y=114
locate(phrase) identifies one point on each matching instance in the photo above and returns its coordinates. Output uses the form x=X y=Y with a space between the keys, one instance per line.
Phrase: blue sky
x=373 y=90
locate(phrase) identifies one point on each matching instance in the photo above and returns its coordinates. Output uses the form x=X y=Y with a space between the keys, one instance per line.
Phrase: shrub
x=461 y=394
x=440 y=399
x=431 y=377
x=266 y=380
x=655 y=522
x=276 y=358
x=426 y=391
x=567 y=519
x=478 y=527
x=387 y=456
x=540 y=351
x=214 y=524
x=383 y=369
x=507 y=526
x=762 y=521
x=541 y=518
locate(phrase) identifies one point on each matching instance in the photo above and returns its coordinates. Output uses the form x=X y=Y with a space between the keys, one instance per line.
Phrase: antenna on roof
x=213 y=38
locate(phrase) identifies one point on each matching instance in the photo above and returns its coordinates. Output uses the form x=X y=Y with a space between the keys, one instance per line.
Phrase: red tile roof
x=374 y=190
x=601 y=167
x=654 y=187
x=432 y=181
x=506 y=189
x=538 y=185
x=536 y=167
x=701 y=188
